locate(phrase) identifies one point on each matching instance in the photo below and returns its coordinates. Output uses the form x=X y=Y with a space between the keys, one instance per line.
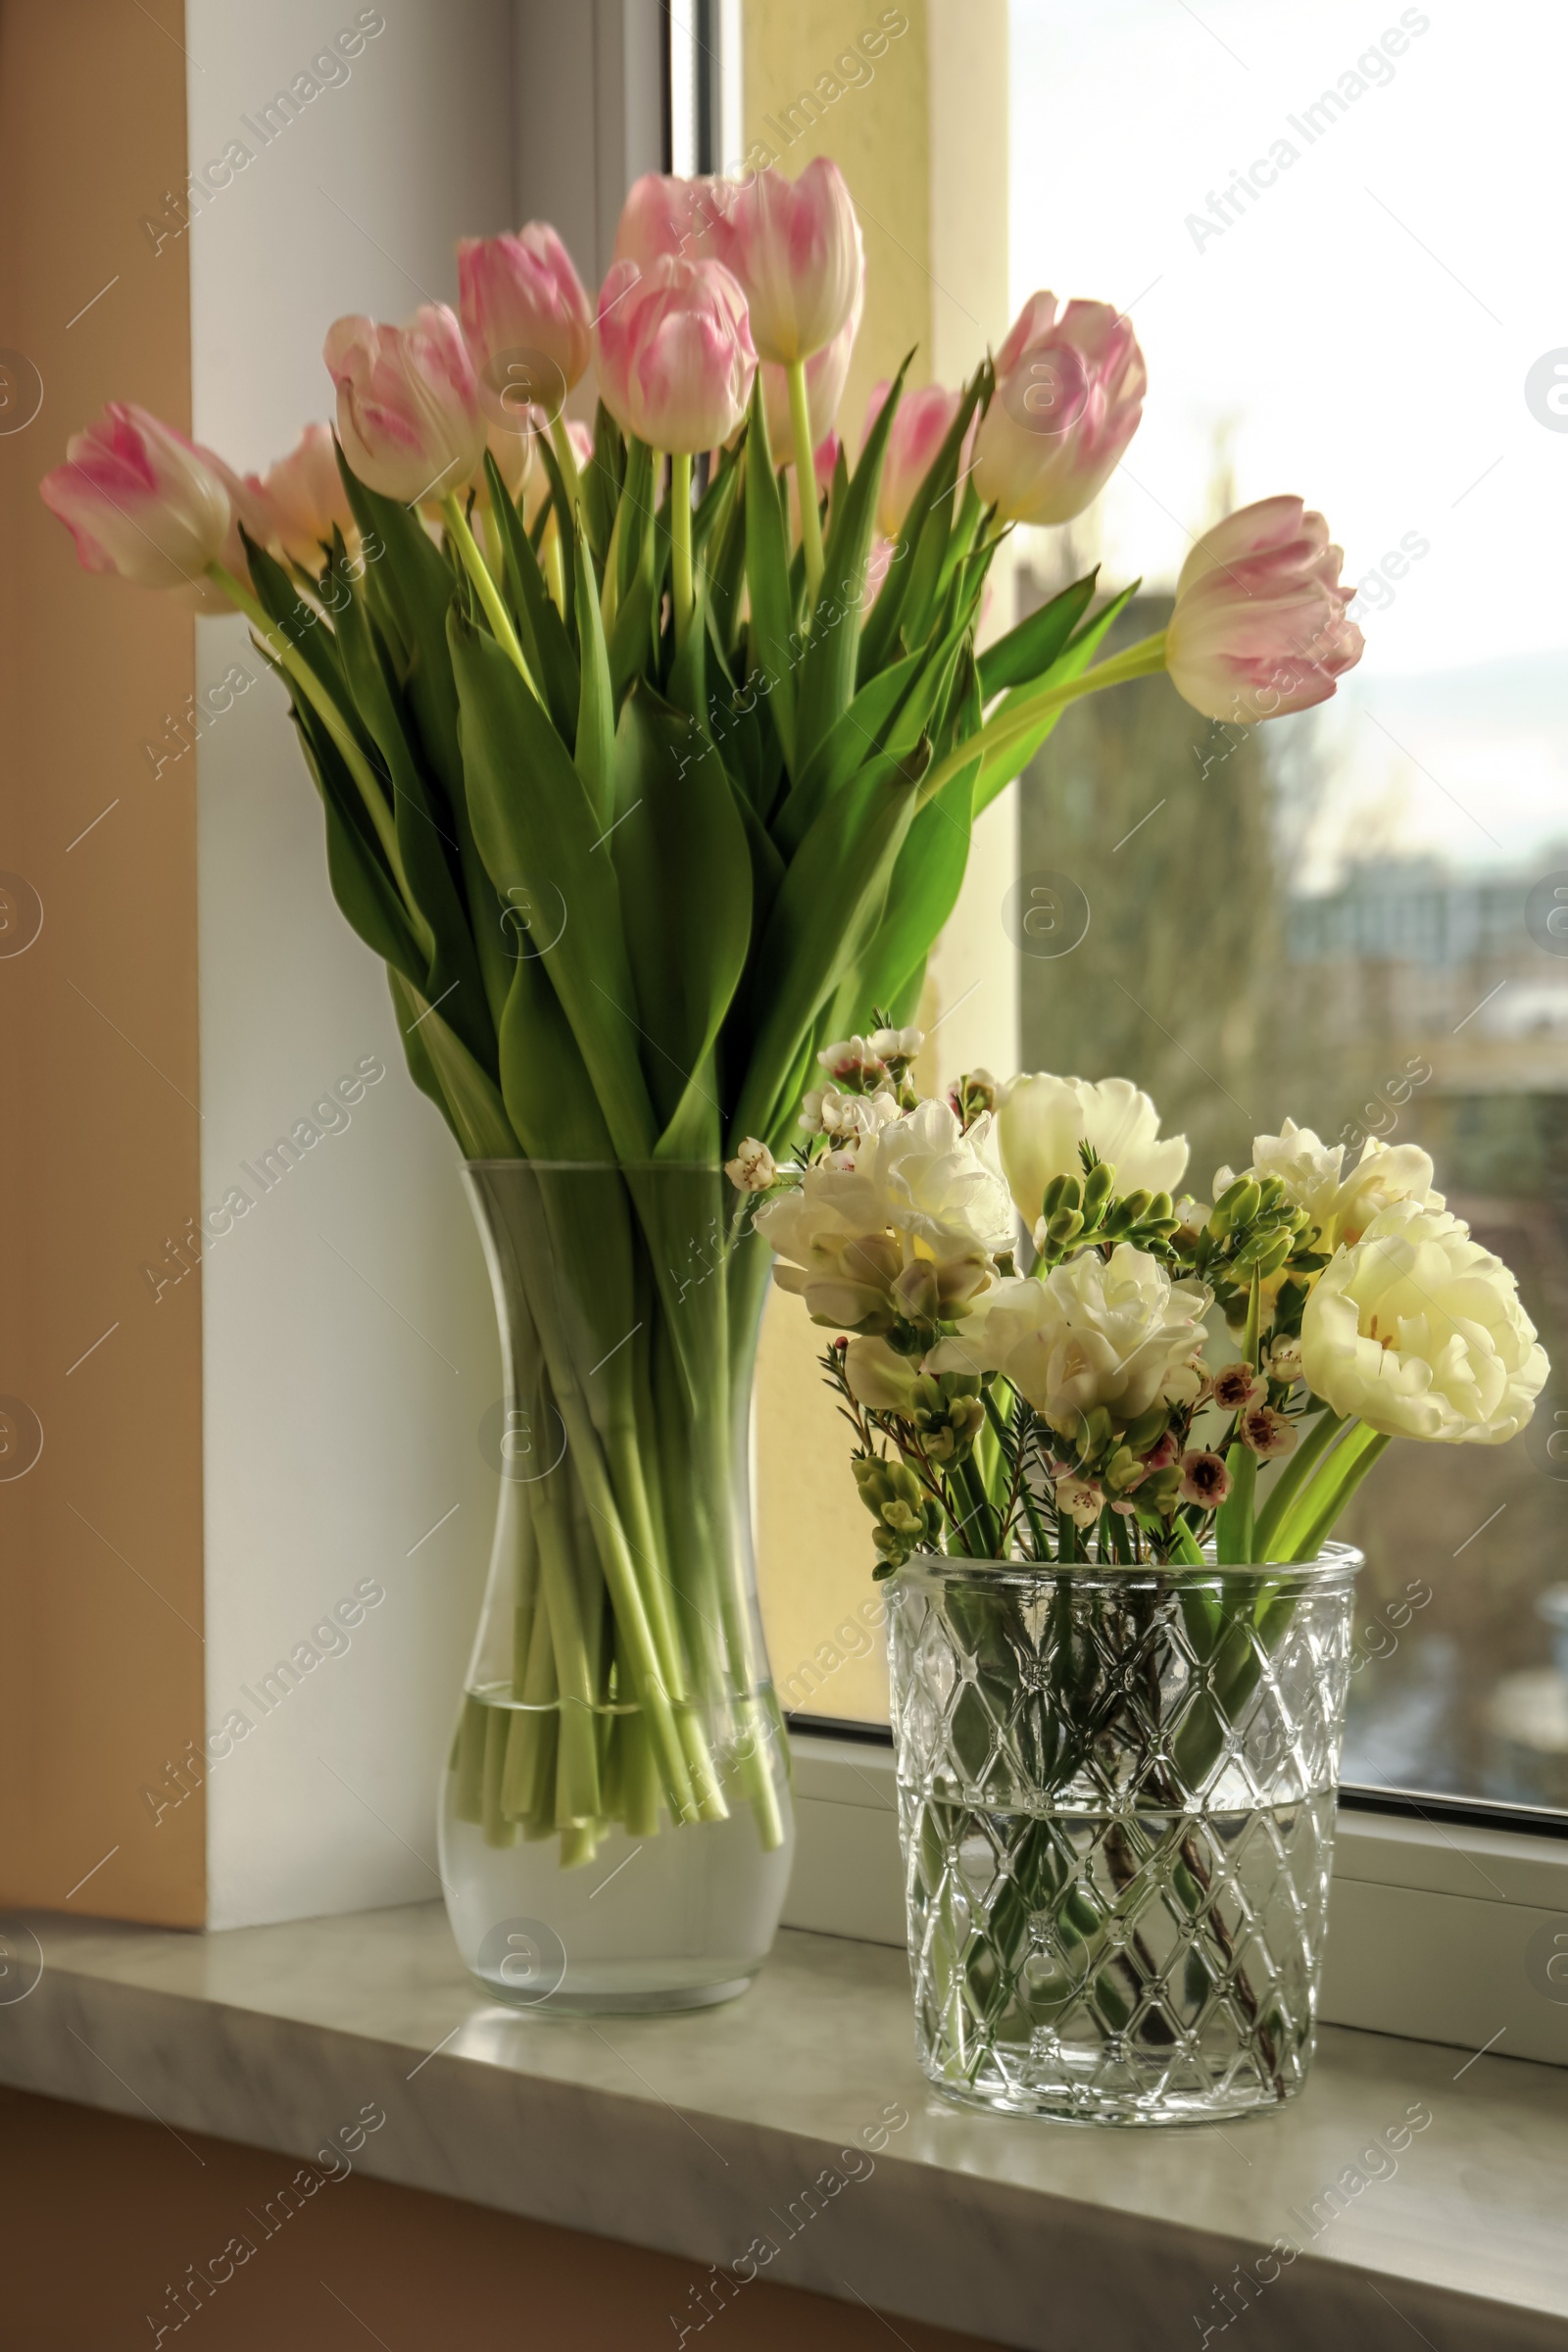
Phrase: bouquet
x=648 y=757
x=1058 y=1399
x=1119 y=1730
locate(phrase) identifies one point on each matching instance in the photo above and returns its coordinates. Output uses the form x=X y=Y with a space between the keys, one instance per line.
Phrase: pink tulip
x=526 y=318
x=142 y=501
x=826 y=374
x=686 y=218
x=795 y=249
x=1260 y=624
x=920 y=426
x=305 y=497
x=675 y=356
x=1069 y=394
x=408 y=402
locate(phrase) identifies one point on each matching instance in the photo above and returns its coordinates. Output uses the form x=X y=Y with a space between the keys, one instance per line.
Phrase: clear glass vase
x=1116 y=1795
x=616 y=1821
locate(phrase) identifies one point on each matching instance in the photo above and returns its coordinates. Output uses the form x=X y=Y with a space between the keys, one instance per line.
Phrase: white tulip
x=1097 y=1331
x=1384 y=1174
x=1042 y=1121
x=1419 y=1331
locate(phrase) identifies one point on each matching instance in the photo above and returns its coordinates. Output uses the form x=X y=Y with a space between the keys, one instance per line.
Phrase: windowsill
x=695 y=2134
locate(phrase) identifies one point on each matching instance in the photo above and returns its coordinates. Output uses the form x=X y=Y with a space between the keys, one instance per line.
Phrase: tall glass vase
x=616 y=1821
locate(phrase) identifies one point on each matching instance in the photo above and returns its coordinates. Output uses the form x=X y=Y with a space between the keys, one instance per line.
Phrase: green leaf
x=854 y=737
x=541 y=630
x=828 y=670
x=686 y=889
x=421 y=1070
x=899 y=589
x=412 y=583
x=602 y=479
x=422 y=819
x=355 y=867
x=1028 y=651
x=545 y=1085
x=922 y=895
x=540 y=844
x=827 y=907
x=998 y=769
x=474 y=1101
x=298 y=621
x=594 y=749
x=767 y=576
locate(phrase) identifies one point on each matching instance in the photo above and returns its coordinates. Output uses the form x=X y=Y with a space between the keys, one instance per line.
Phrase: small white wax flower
x=1082 y=1499
x=1285 y=1361
x=897 y=1044
x=752 y=1168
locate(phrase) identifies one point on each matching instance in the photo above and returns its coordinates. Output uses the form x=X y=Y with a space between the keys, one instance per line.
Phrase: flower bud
x=1064 y=1227
x=407 y=404
x=796 y=250
x=1259 y=626
x=527 y=318
x=675 y=355
x=1098 y=1185
x=1069 y=394
x=307 y=500
x=139 y=499
x=920 y=425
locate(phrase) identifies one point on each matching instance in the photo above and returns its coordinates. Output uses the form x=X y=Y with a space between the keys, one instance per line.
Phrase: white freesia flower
x=928 y=1179
x=919 y=1192
x=1341 y=1205
x=1097 y=1331
x=881 y=1379
x=1043 y=1120
x=1419 y=1331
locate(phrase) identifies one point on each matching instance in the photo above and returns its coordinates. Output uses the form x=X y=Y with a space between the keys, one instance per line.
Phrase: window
x=1359 y=916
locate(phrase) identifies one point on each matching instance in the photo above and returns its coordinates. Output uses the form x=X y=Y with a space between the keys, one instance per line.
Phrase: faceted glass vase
x=616 y=1821
x=1116 y=1801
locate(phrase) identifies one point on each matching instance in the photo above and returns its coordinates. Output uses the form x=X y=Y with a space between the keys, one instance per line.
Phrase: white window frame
x=1431 y=1920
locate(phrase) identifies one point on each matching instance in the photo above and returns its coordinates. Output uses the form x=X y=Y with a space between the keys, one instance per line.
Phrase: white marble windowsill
x=702 y=2135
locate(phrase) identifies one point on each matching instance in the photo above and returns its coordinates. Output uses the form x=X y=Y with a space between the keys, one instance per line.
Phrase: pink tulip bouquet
x=648 y=759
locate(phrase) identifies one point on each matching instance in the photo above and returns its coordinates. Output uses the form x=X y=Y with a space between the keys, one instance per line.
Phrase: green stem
x=1021 y=713
x=321 y=702
x=1351 y=1465
x=610 y=592
x=680 y=540
x=1293 y=1477
x=806 y=476
x=1232 y=1524
x=490 y=595
x=567 y=460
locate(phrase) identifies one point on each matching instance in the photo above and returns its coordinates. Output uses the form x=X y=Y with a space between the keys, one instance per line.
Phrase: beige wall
x=101 y=1540
x=924 y=145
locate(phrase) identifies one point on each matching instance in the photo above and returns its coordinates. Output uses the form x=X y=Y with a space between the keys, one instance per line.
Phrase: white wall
x=342 y=1399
